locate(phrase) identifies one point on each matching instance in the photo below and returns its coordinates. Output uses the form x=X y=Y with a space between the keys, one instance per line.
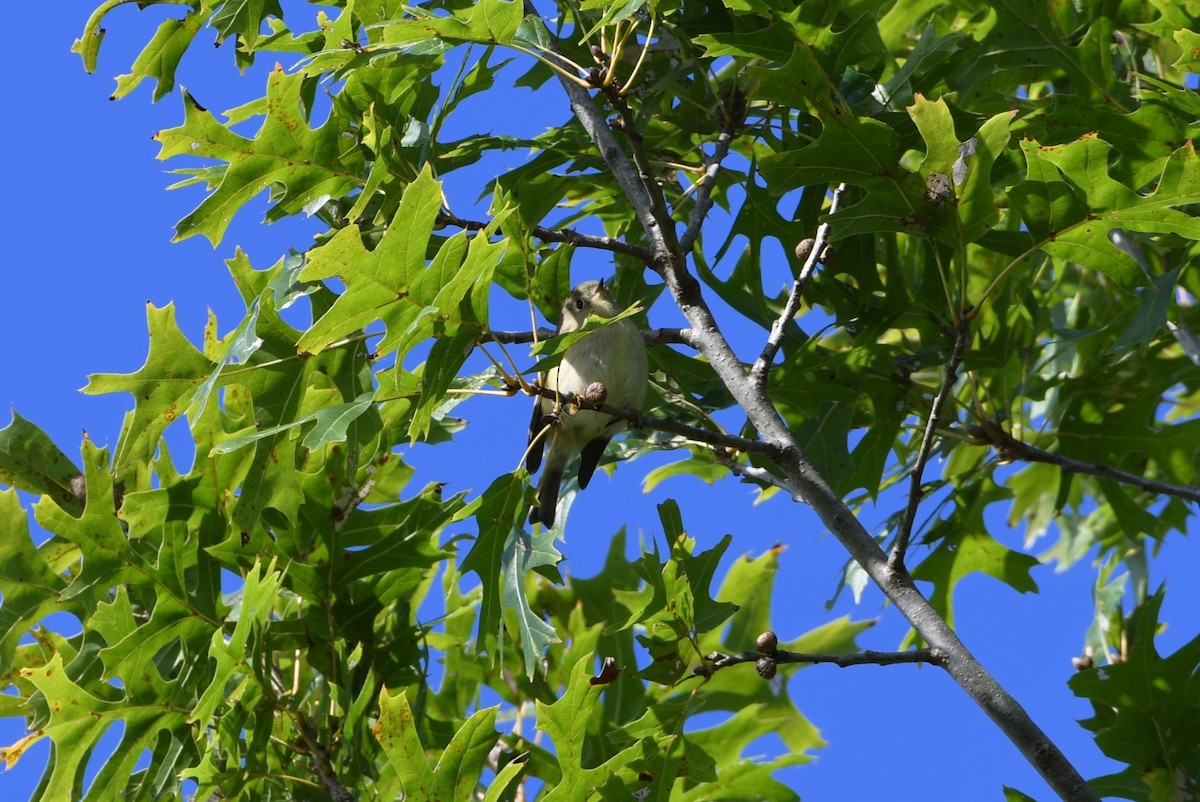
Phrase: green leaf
x=240 y=345
x=675 y=606
x=964 y=547
x=29 y=585
x=458 y=769
x=561 y=721
x=331 y=425
x=1146 y=711
x=302 y=165
x=964 y=167
x=740 y=776
x=161 y=56
x=522 y=554
x=243 y=18
x=30 y=461
x=501 y=511
x=392 y=283
x=109 y=557
x=79 y=718
x=1071 y=204
x=1150 y=319
x=397 y=734
x=161 y=388
x=488 y=22
x=1028 y=43
x=234 y=659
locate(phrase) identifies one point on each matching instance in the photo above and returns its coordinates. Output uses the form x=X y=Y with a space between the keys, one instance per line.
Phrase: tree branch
x=276 y=689
x=755 y=473
x=320 y=761
x=637 y=420
x=915 y=494
x=1009 y=447
x=661 y=215
x=895 y=582
x=762 y=365
x=720 y=660
x=650 y=336
x=568 y=235
x=704 y=188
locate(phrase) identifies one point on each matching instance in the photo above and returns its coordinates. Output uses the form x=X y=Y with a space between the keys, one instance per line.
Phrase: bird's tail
x=547 y=498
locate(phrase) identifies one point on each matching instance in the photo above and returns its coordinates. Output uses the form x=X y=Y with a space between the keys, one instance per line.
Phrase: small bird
x=615 y=357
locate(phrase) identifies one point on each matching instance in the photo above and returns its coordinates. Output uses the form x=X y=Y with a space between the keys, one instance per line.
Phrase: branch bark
x=758 y=373
x=863 y=658
x=1009 y=447
x=650 y=336
x=639 y=421
x=931 y=426
x=567 y=235
x=645 y=198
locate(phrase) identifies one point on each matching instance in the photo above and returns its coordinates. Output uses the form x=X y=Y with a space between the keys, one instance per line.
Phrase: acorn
x=804 y=248
x=766 y=668
x=767 y=642
x=595 y=393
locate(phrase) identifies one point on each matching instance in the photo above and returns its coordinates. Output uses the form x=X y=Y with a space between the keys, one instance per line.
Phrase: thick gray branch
x=895 y=582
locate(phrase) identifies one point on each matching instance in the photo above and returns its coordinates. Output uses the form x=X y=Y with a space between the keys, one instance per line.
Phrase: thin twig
x=669 y=425
x=757 y=474
x=717 y=660
x=1009 y=447
x=650 y=337
x=705 y=187
x=762 y=365
x=320 y=758
x=320 y=761
x=568 y=235
x=935 y=418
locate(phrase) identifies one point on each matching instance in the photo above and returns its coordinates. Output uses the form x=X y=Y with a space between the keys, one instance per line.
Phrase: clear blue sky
x=89 y=228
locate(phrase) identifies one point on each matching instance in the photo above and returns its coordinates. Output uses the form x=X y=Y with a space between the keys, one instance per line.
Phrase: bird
x=613 y=356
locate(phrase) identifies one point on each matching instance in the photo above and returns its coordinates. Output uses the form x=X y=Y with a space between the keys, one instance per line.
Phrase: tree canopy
x=900 y=236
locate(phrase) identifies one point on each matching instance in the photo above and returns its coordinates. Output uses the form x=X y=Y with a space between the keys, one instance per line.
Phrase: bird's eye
x=579 y=304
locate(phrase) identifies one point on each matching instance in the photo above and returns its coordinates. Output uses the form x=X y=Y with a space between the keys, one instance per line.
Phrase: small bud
x=767 y=642
x=804 y=248
x=595 y=393
x=766 y=667
x=608 y=673
x=1084 y=662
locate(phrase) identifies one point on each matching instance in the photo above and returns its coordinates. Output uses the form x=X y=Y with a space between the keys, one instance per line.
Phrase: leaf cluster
x=1020 y=175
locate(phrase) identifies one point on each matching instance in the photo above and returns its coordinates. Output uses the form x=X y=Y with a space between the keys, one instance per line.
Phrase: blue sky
x=89 y=229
